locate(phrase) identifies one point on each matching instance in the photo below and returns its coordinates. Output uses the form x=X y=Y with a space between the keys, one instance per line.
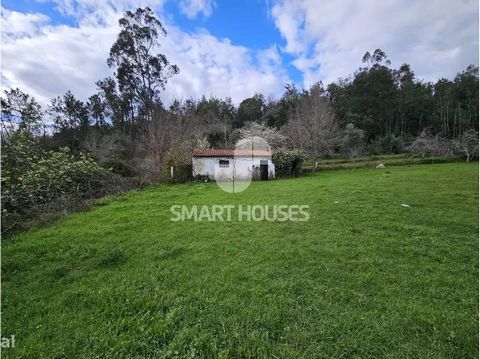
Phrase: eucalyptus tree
x=141 y=72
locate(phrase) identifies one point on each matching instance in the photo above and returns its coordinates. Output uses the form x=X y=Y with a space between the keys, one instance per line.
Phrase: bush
x=353 y=142
x=49 y=181
x=182 y=172
x=387 y=144
x=288 y=162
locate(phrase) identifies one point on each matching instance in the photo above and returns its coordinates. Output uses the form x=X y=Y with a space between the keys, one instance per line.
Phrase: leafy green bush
x=387 y=144
x=36 y=181
x=288 y=162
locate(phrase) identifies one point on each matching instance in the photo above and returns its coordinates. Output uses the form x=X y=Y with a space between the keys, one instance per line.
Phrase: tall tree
x=141 y=73
x=414 y=102
x=71 y=119
x=68 y=112
x=277 y=112
x=117 y=107
x=97 y=109
x=250 y=110
x=21 y=112
x=466 y=100
x=369 y=99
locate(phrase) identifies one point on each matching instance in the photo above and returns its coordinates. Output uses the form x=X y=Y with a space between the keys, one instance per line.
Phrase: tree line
x=125 y=129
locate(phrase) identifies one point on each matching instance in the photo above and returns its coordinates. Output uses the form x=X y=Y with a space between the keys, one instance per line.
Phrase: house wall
x=209 y=166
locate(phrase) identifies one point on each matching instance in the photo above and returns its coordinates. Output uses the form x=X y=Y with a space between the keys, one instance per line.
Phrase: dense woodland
x=124 y=136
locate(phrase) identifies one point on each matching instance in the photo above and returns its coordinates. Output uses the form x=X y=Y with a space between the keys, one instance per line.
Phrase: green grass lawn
x=364 y=277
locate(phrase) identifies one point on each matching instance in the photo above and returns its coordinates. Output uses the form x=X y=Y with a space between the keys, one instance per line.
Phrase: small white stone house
x=215 y=163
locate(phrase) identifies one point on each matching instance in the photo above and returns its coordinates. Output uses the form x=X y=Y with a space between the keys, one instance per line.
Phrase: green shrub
x=288 y=162
x=387 y=144
x=48 y=180
x=182 y=171
x=54 y=175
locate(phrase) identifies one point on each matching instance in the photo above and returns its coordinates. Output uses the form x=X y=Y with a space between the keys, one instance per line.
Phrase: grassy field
x=401 y=159
x=364 y=277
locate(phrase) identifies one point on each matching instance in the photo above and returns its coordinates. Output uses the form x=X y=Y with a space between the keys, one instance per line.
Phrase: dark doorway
x=264 y=172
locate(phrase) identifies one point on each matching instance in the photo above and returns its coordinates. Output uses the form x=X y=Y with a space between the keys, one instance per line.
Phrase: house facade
x=226 y=164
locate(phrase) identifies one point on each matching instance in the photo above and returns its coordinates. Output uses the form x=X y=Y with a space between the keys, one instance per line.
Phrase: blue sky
x=244 y=22
x=32 y=6
x=235 y=48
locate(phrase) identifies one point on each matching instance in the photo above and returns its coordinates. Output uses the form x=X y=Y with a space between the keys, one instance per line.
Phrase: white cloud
x=191 y=8
x=16 y=24
x=97 y=11
x=328 y=38
x=209 y=66
x=47 y=60
x=289 y=18
x=50 y=60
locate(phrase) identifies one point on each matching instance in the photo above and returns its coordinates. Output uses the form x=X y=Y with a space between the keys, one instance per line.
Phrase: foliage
x=32 y=179
x=287 y=162
x=182 y=172
x=68 y=113
x=21 y=112
x=19 y=151
x=111 y=149
x=387 y=144
x=215 y=116
x=353 y=141
x=71 y=120
x=249 y=110
x=140 y=73
x=277 y=113
x=385 y=101
x=182 y=168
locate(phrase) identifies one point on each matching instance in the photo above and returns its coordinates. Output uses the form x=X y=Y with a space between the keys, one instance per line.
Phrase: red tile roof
x=220 y=152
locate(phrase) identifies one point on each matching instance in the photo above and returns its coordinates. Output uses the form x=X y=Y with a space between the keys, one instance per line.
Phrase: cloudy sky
x=235 y=48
